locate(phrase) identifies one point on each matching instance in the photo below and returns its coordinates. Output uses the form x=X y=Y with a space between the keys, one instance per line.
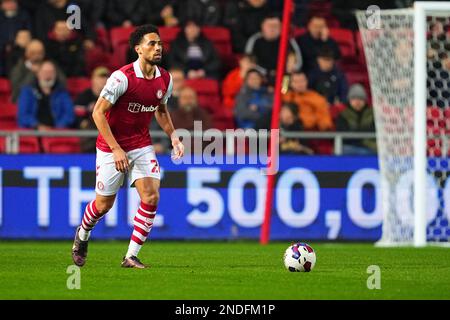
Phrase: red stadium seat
x=61 y=145
x=76 y=85
x=336 y=109
x=26 y=145
x=223 y=119
x=103 y=38
x=120 y=35
x=221 y=39
x=5 y=90
x=168 y=34
x=8 y=116
x=344 y=38
x=299 y=32
x=29 y=145
x=207 y=92
x=360 y=49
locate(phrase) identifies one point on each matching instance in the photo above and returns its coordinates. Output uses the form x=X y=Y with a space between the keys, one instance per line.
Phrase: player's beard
x=154 y=62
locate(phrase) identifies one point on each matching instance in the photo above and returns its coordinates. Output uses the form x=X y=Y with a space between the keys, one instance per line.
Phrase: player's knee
x=103 y=207
x=151 y=198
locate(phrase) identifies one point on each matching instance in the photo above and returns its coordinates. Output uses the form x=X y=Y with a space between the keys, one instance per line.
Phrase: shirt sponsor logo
x=137 y=107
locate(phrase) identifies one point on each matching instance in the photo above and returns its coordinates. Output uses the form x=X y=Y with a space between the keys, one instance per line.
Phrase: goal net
x=408 y=59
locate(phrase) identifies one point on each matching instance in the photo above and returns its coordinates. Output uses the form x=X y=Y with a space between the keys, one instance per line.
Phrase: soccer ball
x=299 y=257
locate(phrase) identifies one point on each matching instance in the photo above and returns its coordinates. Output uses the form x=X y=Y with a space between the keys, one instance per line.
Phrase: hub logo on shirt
x=137 y=107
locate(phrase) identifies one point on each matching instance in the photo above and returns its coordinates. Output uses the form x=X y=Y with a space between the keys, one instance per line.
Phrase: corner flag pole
x=282 y=50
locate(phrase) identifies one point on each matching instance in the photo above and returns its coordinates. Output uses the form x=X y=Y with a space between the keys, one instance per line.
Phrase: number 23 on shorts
x=155 y=166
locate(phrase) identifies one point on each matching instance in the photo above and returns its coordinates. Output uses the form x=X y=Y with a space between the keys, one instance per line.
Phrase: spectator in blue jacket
x=327 y=79
x=45 y=104
x=254 y=102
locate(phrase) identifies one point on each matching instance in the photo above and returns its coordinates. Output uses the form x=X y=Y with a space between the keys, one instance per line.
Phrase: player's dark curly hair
x=140 y=32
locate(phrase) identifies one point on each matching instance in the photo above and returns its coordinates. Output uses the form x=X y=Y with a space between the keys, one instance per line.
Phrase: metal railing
x=13 y=137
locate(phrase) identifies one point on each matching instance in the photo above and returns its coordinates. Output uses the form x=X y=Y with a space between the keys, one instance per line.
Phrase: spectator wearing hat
x=357 y=117
x=254 y=102
x=327 y=79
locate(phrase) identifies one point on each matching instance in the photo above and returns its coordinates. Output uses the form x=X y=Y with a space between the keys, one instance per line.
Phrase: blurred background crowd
x=222 y=56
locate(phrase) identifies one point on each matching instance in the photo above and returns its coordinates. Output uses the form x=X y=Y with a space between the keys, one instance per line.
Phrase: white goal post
x=407 y=55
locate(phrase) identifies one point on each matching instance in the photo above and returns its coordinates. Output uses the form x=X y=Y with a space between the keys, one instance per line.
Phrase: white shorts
x=143 y=163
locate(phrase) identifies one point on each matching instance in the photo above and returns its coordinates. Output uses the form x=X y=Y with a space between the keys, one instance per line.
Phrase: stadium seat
x=26 y=145
x=207 y=92
x=168 y=34
x=61 y=145
x=223 y=119
x=360 y=49
x=8 y=116
x=76 y=85
x=344 y=38
x=298 y=31
x=221 y=39
x=29 y=145
x=97 y=57
x=103 y=39
x=336 y=109
x=5 y=90
x=120 y=35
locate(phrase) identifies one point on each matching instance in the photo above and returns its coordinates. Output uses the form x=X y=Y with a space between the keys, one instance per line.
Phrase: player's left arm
x=165 y=122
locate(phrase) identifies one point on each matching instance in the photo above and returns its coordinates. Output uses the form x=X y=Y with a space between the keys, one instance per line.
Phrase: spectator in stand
x=189 y=111
x=128 y=13
x=84 y=105
x=66 y=49
x=178 y=82
x=290 y=122
x=194 y=53
x=45 y=104
x=56 y=10
x=313 y=108
x=233 y=81
x=23 y=39
x=264 y=45
x=163 y=12
x=327 y=79
x=206 y=12
x=254 y=102
x=12 y=19
x=316 y=39
x=26 y=68
x=244 y=18
x=92 y=12
x=357 y=117
x=31 y=6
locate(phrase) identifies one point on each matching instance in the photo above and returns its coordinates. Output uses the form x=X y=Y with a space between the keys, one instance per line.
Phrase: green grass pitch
x=222 y=270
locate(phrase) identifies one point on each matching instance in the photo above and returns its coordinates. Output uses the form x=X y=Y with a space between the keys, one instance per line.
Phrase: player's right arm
x=99 y=115
x=116 y=86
